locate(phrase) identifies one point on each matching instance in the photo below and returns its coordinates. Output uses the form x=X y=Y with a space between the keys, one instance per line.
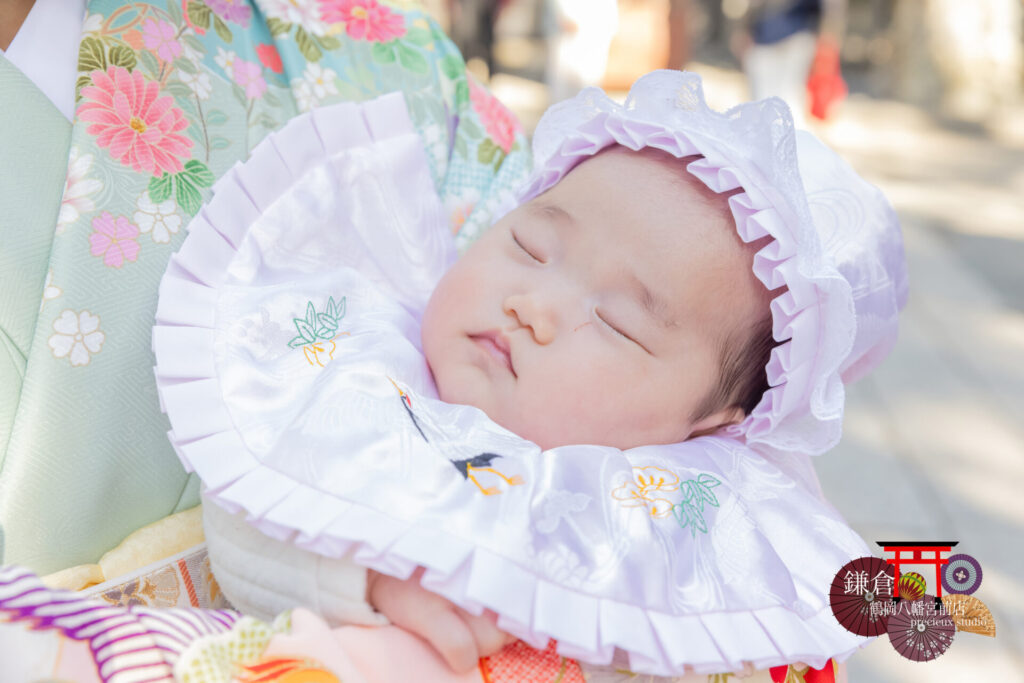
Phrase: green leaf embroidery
x=91 y=55
x=462 y=94
x=160 y=188
x=499 y=158
x=122 y=55
x=81 y=83
x=183 y=64
x=453 y=67
x=486 y=151
x=690 y=511
x=277 y=27
x=190 y=40
x=383 y=53
x=328 y=42
x=148 y=60
x=219 y=143
x=222 y=29
x=467 y=126
x=306 y=331
x=199 y=14
x=216 y=117
x=307 y=46
x=186 y=194
x=327 y=331
x=174 y=11
x=179 y=90
x=318 y=325
x=270 y=98
x=199 y=173
x=411 y=59
x=418 y=36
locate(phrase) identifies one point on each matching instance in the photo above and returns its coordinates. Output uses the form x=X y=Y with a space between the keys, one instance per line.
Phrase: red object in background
x=519 y=663
x=900 y=550
x=826 y=674
x=825 y=84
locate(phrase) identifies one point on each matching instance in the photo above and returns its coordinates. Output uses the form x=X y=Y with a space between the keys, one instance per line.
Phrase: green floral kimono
x=171 y=94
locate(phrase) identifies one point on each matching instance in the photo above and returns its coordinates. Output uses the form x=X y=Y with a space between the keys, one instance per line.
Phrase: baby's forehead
x=643 y=186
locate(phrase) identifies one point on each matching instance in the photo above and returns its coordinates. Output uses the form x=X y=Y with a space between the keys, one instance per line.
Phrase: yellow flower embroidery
x=647 y=489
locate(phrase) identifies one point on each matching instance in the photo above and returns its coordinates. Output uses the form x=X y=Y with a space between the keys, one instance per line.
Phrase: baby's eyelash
x=520 y=245
x=612 y=327
x=619 y=332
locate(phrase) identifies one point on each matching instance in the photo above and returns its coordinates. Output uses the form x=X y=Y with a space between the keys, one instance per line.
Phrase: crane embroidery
x=467 y=467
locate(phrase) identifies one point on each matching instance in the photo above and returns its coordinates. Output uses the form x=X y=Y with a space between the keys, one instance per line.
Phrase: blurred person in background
x=579 y=33
x=679 y=43
x=472 y=28
x=783 y=43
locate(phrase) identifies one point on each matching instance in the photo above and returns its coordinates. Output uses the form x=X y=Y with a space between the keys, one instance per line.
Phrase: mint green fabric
x=166 y=102
x=34 y=137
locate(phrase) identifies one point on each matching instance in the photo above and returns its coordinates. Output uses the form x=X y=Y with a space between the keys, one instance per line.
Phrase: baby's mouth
x=495 y=344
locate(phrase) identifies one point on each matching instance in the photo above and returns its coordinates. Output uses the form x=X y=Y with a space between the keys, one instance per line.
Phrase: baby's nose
x=530 y=311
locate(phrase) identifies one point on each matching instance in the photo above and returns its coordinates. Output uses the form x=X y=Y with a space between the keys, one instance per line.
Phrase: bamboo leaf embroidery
x=317 y=331
x=689 y=512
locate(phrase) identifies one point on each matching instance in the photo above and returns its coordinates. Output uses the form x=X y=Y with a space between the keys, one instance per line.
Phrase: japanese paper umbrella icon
x=920 y=631
x=962 y=574
x=861 y=595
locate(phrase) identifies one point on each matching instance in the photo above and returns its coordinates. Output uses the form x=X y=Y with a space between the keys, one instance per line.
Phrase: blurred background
x=924 y=98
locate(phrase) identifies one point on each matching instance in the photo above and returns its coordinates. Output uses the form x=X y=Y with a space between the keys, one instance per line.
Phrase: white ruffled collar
x=289 y=364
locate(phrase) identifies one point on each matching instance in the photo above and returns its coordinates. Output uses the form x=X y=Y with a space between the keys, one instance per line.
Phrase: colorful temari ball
x=912 y=586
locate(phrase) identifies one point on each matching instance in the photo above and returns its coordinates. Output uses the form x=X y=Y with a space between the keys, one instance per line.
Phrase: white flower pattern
x=225 y=59
x=77 y=188
x=198 y=83
x=305 y=13
x=77 y=336
x=159 y=220
x=50 y=290
x=316 y=83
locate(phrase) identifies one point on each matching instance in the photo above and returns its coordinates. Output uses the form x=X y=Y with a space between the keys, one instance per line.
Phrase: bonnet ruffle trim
x=751 y=148
x=586 y=627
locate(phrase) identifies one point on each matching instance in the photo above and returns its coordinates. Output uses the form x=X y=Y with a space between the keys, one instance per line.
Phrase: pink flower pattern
x=161 y=37
x=364 y=19
x=270 y=57
x=249 y=76
x=232 y=10
x=129 y=117
x=114 y=239
x=500 y=123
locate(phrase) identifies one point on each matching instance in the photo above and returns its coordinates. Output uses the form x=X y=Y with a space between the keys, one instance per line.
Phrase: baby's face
x=596 y=313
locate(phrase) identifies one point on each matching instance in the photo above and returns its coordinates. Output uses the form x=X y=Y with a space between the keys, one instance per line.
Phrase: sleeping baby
x=661 y=328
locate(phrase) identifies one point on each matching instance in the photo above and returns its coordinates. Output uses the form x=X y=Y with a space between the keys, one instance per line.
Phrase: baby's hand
x=458 y=636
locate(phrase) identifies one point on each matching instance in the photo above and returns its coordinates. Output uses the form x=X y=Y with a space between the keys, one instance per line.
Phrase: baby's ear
x=708 y=425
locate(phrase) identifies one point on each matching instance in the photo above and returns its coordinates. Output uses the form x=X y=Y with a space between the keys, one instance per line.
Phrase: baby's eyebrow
x=554 y=211
x=655 y=306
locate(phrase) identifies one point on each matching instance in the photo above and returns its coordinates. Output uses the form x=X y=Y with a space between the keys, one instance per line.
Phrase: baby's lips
x=498 y=346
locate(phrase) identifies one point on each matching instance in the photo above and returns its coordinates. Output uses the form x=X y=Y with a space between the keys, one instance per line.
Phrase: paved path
x=934 y=439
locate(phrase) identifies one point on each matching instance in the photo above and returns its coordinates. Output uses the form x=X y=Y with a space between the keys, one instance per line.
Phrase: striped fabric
x=129 y=644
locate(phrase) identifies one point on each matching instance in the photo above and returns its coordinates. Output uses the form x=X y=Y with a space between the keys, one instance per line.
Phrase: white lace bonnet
x=837 y=248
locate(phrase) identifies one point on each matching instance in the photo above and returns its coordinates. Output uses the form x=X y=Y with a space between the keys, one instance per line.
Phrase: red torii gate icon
x=907 y=552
